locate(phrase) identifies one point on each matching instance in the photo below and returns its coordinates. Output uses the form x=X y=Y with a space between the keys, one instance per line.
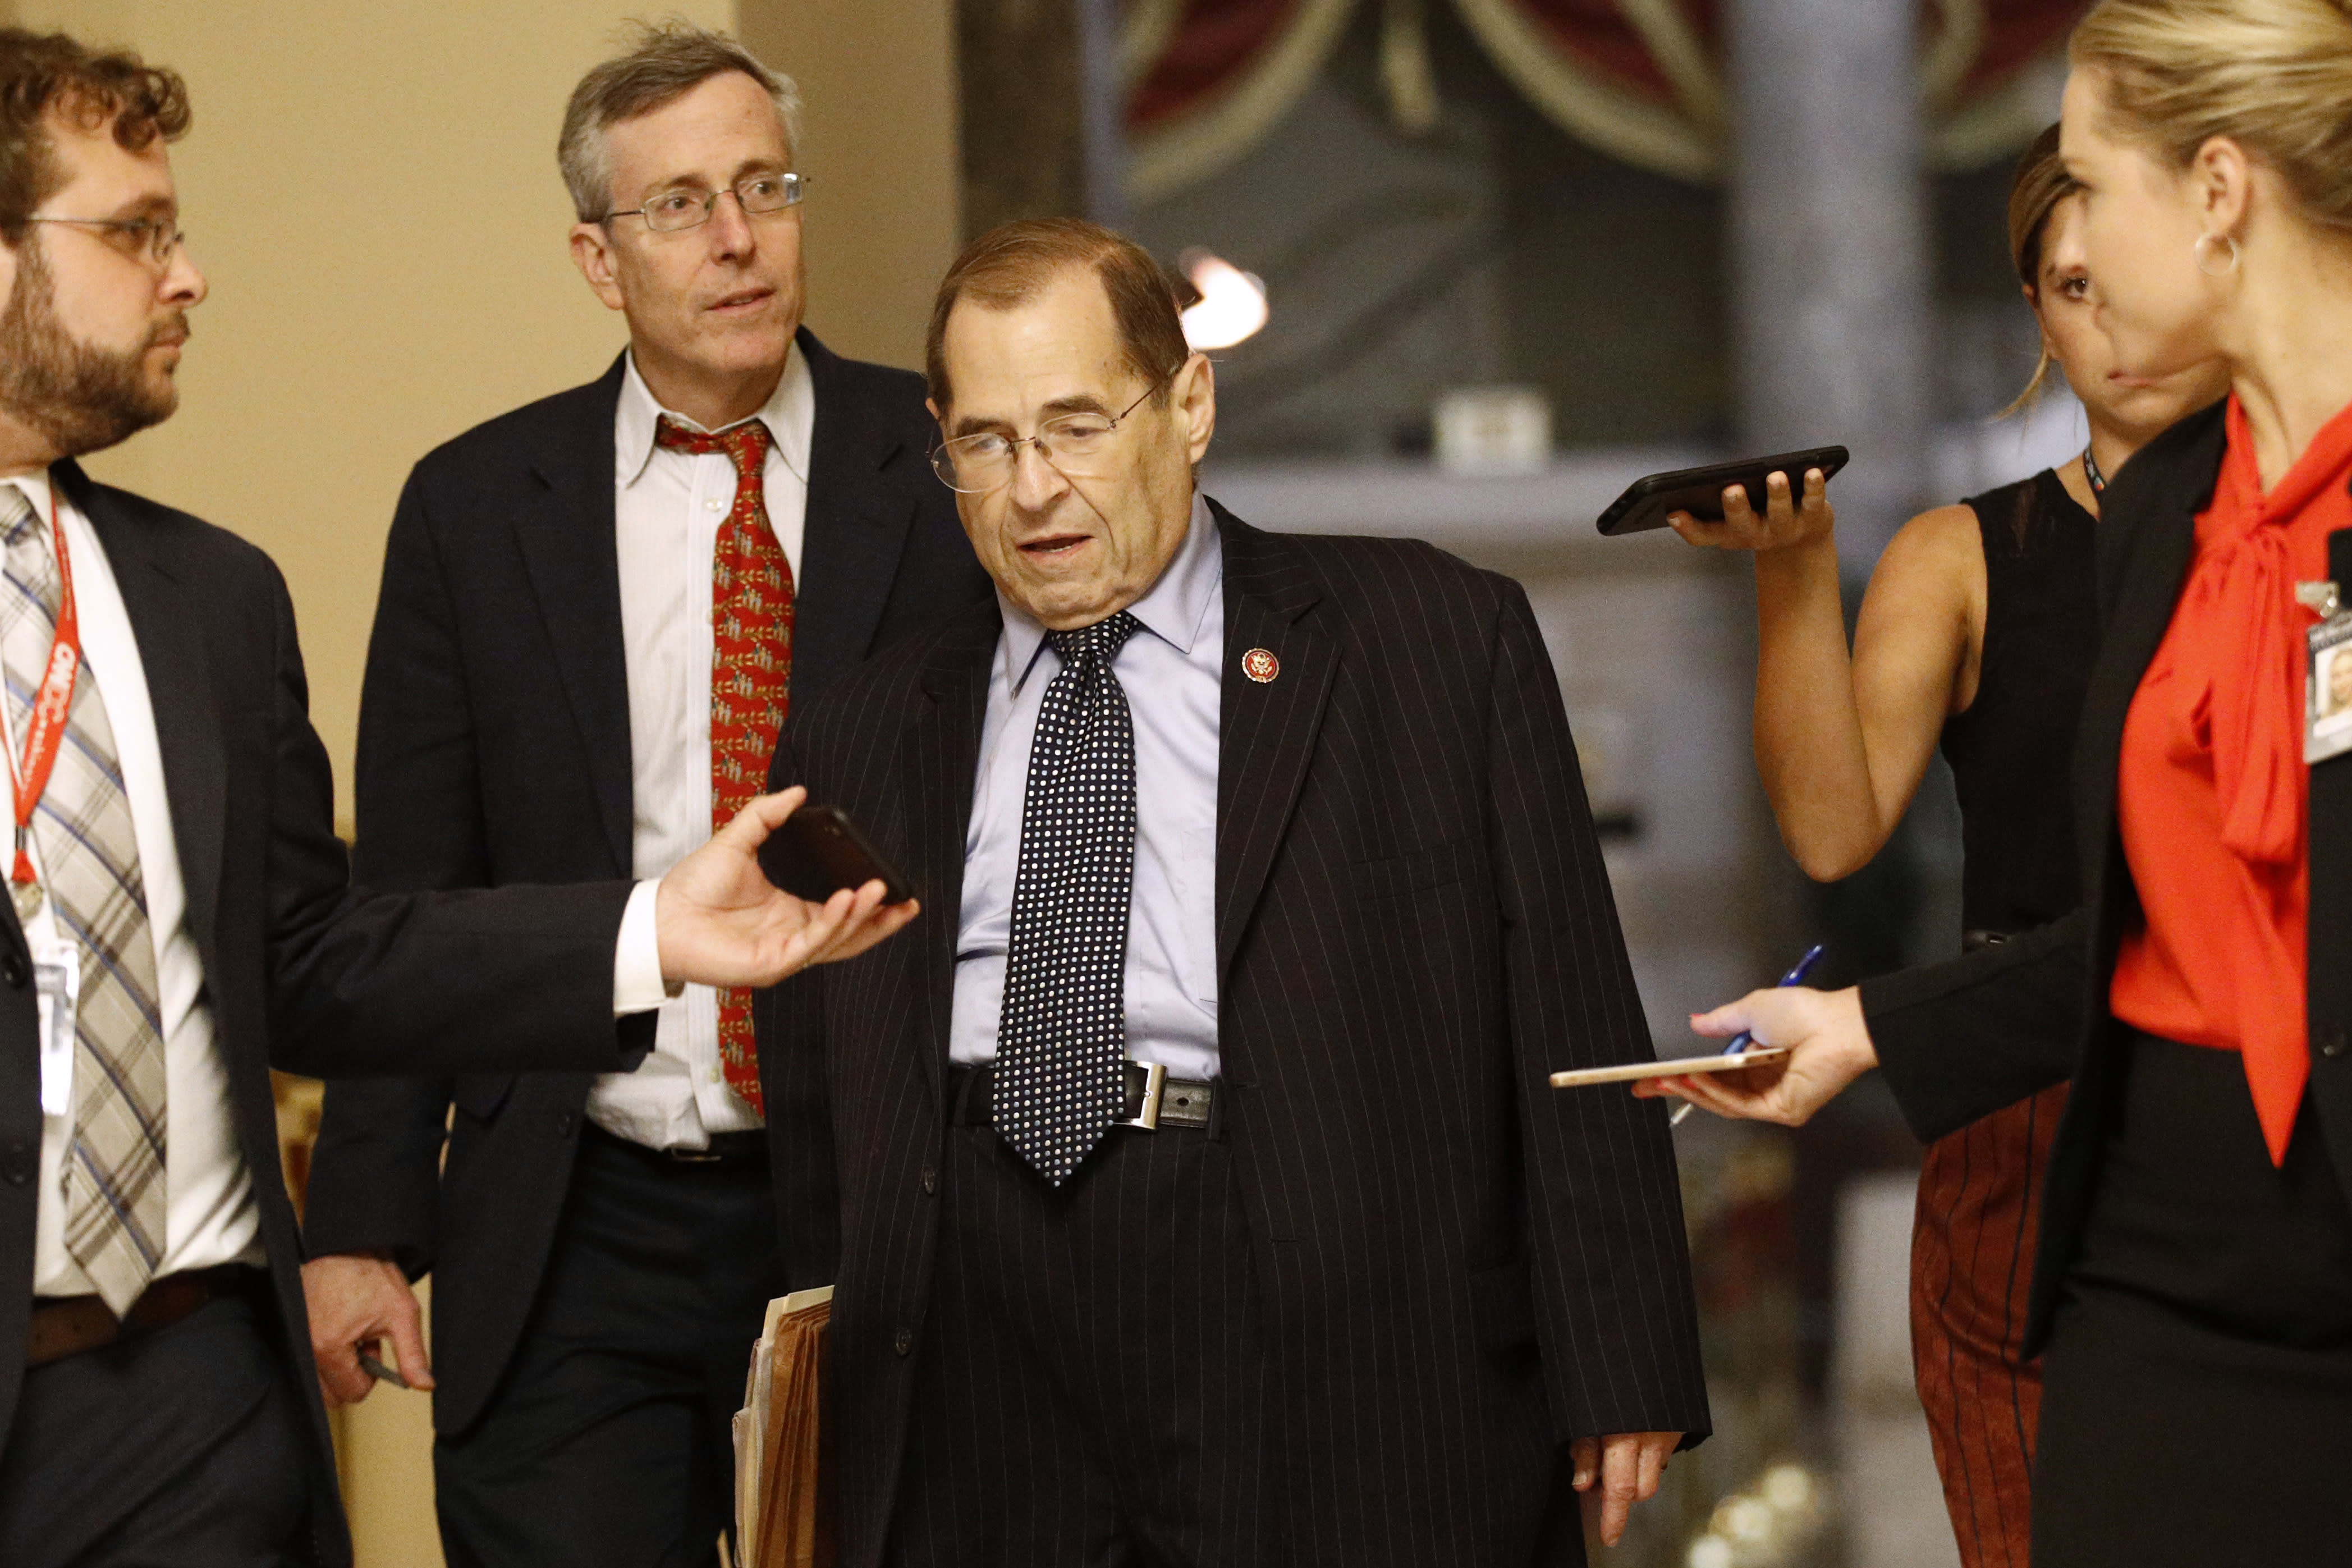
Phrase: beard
x=84 y=398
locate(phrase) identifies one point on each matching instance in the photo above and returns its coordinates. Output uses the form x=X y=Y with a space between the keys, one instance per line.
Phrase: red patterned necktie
x=750 y=676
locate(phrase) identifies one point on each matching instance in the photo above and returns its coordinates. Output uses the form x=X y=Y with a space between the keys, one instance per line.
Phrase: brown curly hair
x=45 y=73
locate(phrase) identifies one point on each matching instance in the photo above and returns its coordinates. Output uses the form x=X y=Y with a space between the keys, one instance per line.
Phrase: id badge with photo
x=2328 y=706
x=57 y=977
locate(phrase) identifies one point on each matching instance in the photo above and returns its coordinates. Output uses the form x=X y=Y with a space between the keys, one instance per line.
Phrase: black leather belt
x=726 y=1148
x=1977 y=941
x=68 y=1325
x=1154 y=1100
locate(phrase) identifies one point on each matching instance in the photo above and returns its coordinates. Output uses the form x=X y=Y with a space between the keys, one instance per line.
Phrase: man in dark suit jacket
x=539 y=706
x=157 y=1398
x=1190 y=1180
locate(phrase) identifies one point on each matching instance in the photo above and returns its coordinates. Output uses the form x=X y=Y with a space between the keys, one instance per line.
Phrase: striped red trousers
x=1972 y=1270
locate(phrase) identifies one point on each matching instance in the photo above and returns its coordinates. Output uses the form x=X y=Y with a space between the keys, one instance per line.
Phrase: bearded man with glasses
x=596 y=611
x=1188 y=1178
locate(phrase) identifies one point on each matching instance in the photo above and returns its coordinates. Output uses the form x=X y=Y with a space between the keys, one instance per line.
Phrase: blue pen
x=1742 y=1040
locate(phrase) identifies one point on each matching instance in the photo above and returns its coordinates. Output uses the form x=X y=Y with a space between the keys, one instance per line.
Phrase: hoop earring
x=2196 y=253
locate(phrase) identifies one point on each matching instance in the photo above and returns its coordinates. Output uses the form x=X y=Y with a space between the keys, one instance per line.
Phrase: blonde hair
x=2274 y=75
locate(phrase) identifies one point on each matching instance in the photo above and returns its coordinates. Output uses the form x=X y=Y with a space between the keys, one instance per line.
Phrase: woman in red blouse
x=2194 y=1284
x=1977 y=637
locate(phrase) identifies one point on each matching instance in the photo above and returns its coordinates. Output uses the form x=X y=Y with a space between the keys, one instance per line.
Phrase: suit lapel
x=188 y=717
x=1267 y=727
x=567 y=547
x=943 y=762
x=2153 y=504
x=858 y=516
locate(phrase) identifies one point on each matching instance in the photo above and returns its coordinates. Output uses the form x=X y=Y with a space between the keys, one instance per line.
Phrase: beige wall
x=881 y=152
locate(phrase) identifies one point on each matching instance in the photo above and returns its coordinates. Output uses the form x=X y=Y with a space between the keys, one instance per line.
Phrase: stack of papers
x=779 y=1522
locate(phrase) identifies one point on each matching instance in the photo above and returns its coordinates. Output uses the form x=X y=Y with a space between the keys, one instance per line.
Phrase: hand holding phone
x=818 y=851
x=1655 y=499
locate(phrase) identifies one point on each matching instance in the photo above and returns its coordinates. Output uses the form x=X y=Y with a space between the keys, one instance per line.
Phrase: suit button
x=17 y=1160
x=13 y=967
x=2333 y=1043
x=905 y=1343
x=566 y=1122
x=930 y=1180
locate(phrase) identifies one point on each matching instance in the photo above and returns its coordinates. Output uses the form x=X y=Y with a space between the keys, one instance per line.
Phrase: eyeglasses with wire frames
x=152 y=240
x=1072 y=443
x=673 y=211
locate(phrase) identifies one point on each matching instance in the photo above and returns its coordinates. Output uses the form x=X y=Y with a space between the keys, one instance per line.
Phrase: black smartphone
x=1699 y=491
x=818 y=851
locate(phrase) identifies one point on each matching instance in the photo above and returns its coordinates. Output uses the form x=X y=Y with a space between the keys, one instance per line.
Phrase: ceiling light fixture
x=1232 y=306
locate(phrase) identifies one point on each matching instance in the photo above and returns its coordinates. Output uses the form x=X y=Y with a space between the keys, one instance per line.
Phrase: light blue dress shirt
x=1173 y=674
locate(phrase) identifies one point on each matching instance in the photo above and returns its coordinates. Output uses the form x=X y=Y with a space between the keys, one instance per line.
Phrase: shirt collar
x=790 y=415
x=1173 y=611
x=37 y=488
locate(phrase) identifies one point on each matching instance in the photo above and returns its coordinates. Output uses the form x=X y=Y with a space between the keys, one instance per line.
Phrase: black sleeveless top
x=2011 y=751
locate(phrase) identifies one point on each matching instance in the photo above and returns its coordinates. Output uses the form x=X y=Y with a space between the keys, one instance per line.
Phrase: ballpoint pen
x=1742 y=1040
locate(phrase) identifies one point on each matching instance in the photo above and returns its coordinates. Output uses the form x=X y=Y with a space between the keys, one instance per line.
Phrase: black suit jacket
x=1462 y=1266
x=1961 y=1040
x=301 y=971
x=494 y=748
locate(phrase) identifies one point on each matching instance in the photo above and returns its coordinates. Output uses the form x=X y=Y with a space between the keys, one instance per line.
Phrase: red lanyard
x=45 y=730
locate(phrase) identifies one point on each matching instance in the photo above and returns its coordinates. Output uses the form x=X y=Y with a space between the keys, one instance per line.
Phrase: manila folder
x=789 y=1523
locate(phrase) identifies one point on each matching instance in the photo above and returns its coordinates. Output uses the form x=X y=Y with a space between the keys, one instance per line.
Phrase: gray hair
x=663 y=63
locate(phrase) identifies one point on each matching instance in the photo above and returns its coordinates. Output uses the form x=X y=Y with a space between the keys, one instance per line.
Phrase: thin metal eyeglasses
x=152 y=240
x=673 y=211
x=1072 y=443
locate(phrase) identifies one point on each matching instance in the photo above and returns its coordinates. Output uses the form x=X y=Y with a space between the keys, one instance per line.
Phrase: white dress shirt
x=668 y=507
x=1172 y=672
x=211 y=1214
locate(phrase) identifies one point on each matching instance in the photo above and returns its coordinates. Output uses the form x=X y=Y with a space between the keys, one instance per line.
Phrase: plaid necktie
x=751 y=675
x=116 y=1195
x=1061 y=1037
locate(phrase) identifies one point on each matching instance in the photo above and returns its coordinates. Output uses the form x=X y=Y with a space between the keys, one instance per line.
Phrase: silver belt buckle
x=1147 y=1115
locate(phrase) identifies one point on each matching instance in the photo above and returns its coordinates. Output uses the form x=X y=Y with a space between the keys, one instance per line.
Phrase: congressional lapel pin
x=1260 y=665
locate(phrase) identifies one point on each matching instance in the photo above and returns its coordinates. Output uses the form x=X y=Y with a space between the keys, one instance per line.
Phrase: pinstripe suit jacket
x=1461 y=1267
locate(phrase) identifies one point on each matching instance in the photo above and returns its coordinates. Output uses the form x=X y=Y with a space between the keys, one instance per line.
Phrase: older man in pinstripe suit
x=1189 y=1179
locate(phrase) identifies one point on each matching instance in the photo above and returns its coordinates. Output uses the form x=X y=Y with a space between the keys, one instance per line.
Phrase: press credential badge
x=2328 y=702
x=56 y=975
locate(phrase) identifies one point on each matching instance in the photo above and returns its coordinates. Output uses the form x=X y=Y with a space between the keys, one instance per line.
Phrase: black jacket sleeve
x=1613 y=1308
x=514 y=979
x=1961 y=1039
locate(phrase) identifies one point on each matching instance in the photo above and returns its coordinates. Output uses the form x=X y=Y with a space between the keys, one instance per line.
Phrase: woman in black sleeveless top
x=1978 y=632
x=2008 y=750
x=1973 y=1233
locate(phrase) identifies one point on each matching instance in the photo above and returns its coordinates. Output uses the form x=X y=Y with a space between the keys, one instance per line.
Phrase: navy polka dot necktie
x=1061 y=1039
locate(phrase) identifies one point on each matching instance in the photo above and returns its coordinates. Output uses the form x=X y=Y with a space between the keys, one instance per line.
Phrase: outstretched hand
x=721 y=922
x=1829 y=1047
x=1787 y=520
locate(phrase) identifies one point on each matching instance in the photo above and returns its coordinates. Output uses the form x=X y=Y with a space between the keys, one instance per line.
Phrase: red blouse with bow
x=2213 y=795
